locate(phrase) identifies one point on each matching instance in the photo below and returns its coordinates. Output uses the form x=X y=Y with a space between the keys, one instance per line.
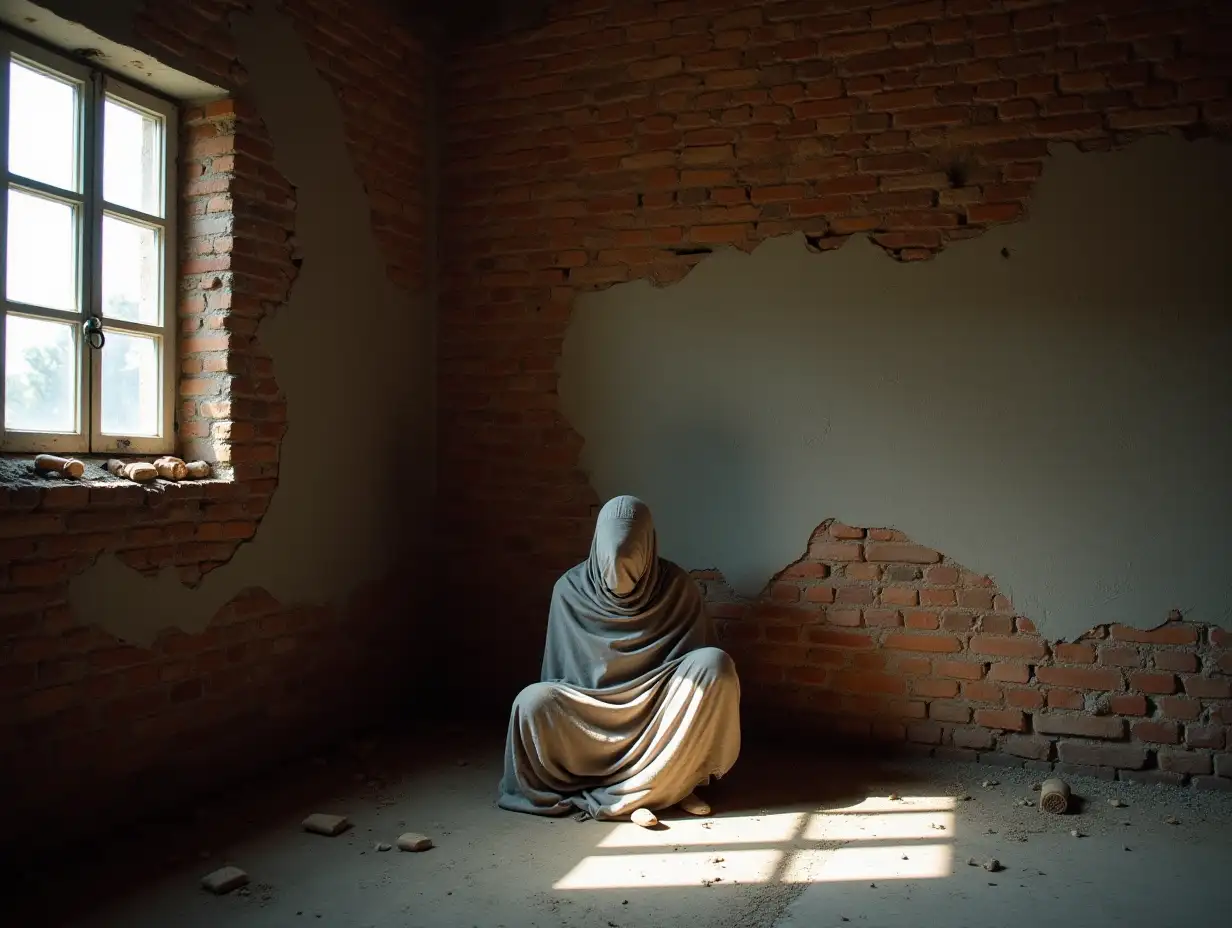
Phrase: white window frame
x=94 y=87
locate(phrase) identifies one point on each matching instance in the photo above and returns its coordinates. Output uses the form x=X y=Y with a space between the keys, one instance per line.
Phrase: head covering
x=624 y=612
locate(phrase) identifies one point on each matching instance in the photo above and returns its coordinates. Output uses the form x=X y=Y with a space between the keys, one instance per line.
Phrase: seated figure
x=635 y=709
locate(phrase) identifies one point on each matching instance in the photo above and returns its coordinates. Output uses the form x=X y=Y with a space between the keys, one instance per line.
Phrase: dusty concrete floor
x=795 y=841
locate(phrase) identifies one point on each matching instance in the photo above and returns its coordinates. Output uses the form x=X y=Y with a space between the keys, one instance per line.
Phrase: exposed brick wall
x=91 y=725
x=621 y=141
x=873 y=637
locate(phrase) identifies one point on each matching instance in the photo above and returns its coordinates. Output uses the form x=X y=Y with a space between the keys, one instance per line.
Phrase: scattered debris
x=463 y=763
x=718 y=860
x=894 y=797
x=991 y=831
x=988 y=783
x=972 y=862
x=1036 y=787
x=992 y=865
x=1172 y=820
x=382 y=846
x=937 y=827
x=1054 y=796
x=965 y=797
x=644 y=817
x=320 y=823
x=223 y=880
x=1076 y=833
x=414 y=842
x=1116 y=803
x=1127 y=847
x=1024 y=802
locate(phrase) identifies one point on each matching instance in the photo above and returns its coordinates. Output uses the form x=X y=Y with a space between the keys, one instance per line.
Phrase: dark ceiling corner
x=473 y=19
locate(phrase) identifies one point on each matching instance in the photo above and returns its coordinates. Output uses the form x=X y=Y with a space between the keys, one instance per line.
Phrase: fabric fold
x=634 y=706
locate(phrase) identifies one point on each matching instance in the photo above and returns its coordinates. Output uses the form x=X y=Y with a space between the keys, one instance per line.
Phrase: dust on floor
x=795 y=841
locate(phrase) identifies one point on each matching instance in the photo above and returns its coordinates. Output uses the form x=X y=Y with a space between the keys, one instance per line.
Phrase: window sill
x=17 y=471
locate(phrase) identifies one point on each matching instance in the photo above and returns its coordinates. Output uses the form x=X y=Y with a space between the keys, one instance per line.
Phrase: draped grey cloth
x=634 y=708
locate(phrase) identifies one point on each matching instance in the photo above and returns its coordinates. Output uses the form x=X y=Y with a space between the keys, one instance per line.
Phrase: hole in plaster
x=1005 y=252
x=685 y=252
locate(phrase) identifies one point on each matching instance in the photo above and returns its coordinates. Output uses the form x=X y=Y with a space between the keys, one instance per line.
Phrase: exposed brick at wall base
x=874 y=638
x=91 y=726
x=621 y=140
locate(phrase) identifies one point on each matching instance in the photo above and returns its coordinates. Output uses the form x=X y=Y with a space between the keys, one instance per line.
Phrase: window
x=87 y=241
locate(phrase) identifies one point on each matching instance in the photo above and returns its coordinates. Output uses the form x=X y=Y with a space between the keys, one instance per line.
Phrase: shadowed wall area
x=1043 y=404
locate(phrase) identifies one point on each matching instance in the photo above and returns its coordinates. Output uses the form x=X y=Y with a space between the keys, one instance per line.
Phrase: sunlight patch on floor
x=885 y=862
x=739 y=829
x=683 y=868
x=879 y=839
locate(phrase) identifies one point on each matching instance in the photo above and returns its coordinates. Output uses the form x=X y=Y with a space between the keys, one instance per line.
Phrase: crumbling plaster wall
x=353 y=352
x=1046 y=404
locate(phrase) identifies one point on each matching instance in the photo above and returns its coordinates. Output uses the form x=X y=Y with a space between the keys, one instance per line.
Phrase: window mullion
x=91 y=261
x=5 y=57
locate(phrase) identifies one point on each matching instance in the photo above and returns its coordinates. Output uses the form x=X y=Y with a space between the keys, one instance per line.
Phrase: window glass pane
x=132 y=158
x=131 y=263
x=40 y=375
x=42 y=251
x=130 y=384
x=42 y=126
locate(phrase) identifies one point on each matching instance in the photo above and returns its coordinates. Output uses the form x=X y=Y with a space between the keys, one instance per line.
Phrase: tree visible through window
x=87 y=236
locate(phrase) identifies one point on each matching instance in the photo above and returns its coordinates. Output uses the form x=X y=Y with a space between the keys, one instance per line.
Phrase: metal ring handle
x=94 y=333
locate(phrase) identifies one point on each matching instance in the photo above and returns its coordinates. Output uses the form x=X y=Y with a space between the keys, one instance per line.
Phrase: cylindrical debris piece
x=1054 y=796
x=69 y=467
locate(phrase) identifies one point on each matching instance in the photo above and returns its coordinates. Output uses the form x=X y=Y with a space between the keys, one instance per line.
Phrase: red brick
x=1167 y=634
x=1208 y=736
x=1208 y=687
x=882 y=617
x=945 y=689
x=944 y=711
x=975 y=739
x=819 y=594
x=917 y=619
x=1028 y=648
x=1033 y=748
x=851 y=682
x=1129 y=704
x=1124 y=756
x=899 y=595
x=1004 y=672
x=1178 y=661
x=1074 y=653
x=1120 y=657
x=935 y=643
x=849 y=618
x=982 y=691
x=941 y=576
x=1024 y=698
x=900 y=553
x=836 y=639
x=1160 y=683
x=1004 y=719
x=1185 y=762
x=1064 y=699
x=1157 y=732
x=829 y=551
x=1175 y=707
x=993 y=624
x=1088 y=726
x=938 y=598
x=1079 y=678
x=854 y=595
x=963 y=670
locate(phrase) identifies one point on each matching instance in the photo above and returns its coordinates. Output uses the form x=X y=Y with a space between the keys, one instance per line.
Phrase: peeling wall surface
x=353 y=354
x=1046 y=403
